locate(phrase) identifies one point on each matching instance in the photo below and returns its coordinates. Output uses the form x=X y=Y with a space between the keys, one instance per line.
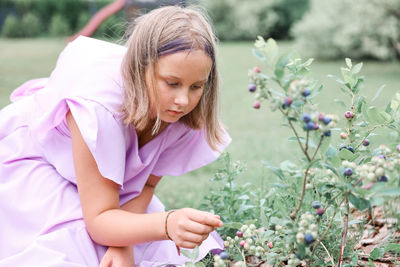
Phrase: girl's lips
x=175 y=113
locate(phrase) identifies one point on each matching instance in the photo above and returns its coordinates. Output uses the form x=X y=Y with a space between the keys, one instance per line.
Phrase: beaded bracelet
x=166 y=231
x=166 y=222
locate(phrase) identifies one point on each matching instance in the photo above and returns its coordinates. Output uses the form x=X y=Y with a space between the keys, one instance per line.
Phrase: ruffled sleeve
x=190 y=151
x=104 y=137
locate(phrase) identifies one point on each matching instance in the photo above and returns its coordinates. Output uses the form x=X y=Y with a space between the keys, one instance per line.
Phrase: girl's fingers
x=186 y=244
x=204 y=217
x=198 y=228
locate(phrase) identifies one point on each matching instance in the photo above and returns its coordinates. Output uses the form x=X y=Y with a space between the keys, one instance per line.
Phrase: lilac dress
x=41 y=220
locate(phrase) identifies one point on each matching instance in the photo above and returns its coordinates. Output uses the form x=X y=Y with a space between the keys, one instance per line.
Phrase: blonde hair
x=164 y=31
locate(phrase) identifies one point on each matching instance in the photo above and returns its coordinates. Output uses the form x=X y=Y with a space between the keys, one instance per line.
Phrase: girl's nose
x=182 y=98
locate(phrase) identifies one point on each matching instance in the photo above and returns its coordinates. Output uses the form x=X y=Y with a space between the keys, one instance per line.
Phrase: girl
x=82 y=151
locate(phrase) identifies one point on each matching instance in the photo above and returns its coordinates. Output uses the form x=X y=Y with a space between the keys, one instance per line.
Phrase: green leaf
x=186 y=253
x=348 y=62
x=356 y=68
x=258 y=55
x=388 y=192
x=195 y=253
x=394 y=104
x=378 y=93
x=345 y=154
x=374 y=115
x=355 y=222
x=358 y=202
x=336 y=79
x=377 y=253
x=275 y=170
x=395 y=248
x=340 y=102
x=288 y=166
x=271 y=50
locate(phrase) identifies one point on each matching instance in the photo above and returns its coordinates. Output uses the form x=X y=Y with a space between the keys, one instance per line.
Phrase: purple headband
x=178 y=45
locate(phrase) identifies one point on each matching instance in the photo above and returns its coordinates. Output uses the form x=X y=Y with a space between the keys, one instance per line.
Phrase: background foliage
x=360 y=29
x=243 y=20
x=54 y=18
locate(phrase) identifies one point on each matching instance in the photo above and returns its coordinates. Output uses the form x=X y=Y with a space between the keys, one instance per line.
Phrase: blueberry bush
x=313 y=210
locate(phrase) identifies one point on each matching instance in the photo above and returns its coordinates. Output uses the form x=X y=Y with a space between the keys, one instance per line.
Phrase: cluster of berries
x=256 y=81
x=308 y=231
x=349 y=167
x=318 y=206
x=246 y=237
x=374 y=170
x=219 y=260
x=318 y=121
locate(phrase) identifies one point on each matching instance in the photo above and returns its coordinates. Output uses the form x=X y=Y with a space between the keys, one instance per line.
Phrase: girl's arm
x=110 y=225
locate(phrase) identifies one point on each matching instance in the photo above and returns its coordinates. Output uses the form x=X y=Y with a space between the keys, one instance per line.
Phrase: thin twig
x=307 y=136
x=316 y=150
x=344 y=235
x=294 y=213
x=298 y=140
x=329 y=255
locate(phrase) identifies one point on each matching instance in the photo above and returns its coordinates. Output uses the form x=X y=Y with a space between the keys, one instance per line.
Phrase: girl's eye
x=197 y=86
x=172 y=84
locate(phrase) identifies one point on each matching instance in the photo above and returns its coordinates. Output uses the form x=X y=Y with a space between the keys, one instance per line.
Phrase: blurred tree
x=346 y=28
x=244 y=20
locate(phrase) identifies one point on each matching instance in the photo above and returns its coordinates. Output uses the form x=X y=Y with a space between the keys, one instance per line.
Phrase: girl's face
x=180 y=80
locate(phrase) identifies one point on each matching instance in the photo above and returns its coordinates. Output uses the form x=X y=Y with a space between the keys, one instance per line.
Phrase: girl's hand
x=118 y=257
x=188 y=228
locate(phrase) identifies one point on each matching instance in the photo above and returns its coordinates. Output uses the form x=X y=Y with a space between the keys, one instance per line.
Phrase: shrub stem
x=344 y=235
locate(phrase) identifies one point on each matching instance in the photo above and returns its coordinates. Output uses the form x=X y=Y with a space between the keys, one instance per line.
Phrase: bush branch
x=294 y=213
x=344 y=235
x=298 y=140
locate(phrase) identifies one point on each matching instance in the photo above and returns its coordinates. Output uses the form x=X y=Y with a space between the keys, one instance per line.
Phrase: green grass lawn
x=257 y=134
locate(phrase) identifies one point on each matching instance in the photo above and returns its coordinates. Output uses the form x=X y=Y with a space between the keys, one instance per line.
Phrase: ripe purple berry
x=327 y=133
x=306 y=92
x=383 y=178
x=256 y=105
x=223 y=255
x=309 y=126
x=326 y=120
x=349 y=114
x=308 y=238
x=348 y=172
x=306 y=117
x=365 y=142
x=252 y=87
x=316 y=204
x=239 y=233
x=320 y=211
x=316 y=126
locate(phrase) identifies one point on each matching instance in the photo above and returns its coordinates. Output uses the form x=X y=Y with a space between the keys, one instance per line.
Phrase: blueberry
x=348 y=172
x=383 y=178
x=342 y=147
x=308 y=238
x=309 y=126
x=326 y=120
x=320 y=211
x=382 y=157
x=327 y=133
x=306 y=117
x=288 y=101
x=306 y=92
x=316 y=126
x=298 y=256
x=252 y=87
x=365 y=142
x=351 y=149
x=223 y=255
x=316 y=204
